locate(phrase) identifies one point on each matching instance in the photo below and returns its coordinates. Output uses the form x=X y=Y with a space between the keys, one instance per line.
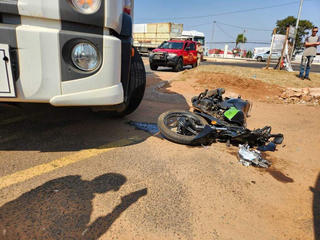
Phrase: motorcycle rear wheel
x=168 y=130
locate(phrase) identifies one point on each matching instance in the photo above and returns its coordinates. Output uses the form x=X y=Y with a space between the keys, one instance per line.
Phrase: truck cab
x=175 y=54
x=70 y=53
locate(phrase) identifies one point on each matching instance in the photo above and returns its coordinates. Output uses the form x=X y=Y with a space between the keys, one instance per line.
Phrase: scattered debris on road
x=247 y=157
x=270 y=147
x=147 y=127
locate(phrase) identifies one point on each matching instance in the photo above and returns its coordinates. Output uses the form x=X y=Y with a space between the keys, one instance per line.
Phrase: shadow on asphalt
x=41 y=127
x=61 y=209
x=316 y=208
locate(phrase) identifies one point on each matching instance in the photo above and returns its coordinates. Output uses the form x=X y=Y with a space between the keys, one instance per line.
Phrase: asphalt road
x=66 y=173
x=253 y=64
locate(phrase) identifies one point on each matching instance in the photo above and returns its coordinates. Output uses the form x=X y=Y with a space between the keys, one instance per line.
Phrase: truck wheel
x=153 y=67
x=259 y=59
x=136 y=88
x=179 y=66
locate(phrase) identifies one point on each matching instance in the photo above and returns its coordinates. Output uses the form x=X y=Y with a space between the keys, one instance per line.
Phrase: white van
x=70 y=53
x=259 y=50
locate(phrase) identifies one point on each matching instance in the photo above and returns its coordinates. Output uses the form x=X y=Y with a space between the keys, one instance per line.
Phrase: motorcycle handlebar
x=216 y=92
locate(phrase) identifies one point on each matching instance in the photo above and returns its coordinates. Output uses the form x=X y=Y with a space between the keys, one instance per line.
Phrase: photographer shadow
x=61 y=209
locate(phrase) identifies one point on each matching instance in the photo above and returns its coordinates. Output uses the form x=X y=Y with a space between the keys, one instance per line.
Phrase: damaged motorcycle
x=215 y=118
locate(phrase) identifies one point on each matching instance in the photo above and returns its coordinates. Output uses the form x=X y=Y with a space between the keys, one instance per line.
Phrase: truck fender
x=126 y=29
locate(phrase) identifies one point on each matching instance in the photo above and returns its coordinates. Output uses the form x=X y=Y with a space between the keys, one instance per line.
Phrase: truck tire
x=136 y=88
x=153 y=67
x=259 y=59
x=179 y=66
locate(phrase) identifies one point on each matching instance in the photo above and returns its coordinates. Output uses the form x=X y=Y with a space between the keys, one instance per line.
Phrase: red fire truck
x=175 y=54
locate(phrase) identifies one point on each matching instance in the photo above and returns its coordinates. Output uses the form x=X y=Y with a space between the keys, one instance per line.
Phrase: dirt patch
x=249 y=88
x=265 y=85
x=280 y=78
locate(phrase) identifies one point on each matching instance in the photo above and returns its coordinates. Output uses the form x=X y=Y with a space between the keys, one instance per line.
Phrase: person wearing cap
x=311 y=44
x=200 y=52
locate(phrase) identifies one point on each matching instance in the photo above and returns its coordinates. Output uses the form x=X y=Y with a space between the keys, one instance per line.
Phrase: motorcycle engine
x=206 y=104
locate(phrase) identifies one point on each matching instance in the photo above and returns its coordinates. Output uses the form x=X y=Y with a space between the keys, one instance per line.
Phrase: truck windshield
x=171 y=45
x=199 y=39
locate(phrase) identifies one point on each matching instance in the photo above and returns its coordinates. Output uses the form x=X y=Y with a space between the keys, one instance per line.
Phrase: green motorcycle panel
x=231 y=113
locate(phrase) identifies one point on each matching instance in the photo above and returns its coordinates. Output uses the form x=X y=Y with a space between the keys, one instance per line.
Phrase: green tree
x=304 y=26
x=240 y=39
x=249 y=54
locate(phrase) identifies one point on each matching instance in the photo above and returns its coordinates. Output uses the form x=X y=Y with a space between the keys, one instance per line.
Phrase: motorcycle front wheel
x=179 y=126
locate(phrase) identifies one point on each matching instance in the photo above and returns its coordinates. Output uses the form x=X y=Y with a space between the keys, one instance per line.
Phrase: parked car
x=175 y=54
x=262 y=57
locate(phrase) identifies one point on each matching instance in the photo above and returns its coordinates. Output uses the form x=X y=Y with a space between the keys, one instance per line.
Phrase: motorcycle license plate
x=6 y=77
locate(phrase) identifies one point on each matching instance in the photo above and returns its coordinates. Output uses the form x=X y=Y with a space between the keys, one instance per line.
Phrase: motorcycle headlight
x=86 y=6
x=172 y=55
x=85 y=56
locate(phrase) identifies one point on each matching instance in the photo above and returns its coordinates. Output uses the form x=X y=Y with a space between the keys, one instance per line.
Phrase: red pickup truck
x=175 y=54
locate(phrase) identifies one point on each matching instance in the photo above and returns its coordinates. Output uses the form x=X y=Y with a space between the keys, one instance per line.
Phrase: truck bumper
x=41 y=77
x=167 y=62
x=101 y=97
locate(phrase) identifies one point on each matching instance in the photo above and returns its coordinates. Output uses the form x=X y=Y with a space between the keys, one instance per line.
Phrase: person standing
x=309 y=53
x=199 y=53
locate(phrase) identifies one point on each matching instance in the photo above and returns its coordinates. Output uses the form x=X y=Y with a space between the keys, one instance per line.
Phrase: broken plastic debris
x=147 y=127
x=270 y=147
x=247 y=157
x=205 y=147
x=84 y=232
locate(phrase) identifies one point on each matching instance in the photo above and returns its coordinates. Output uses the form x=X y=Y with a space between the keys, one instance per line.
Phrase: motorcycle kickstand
x=228 y=143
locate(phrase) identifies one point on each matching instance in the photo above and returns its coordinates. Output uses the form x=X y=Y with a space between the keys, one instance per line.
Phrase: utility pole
x=214 y=23
x=242 y=48
x=297 y=26
x=272 y=42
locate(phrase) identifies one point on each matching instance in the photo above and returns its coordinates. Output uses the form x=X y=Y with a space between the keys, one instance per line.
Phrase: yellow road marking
x=15 y=119
x=27 y=174
x=7 y=139
x=20 y=118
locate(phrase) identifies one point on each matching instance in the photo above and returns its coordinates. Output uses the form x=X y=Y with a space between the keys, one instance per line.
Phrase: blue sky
x=147 y=11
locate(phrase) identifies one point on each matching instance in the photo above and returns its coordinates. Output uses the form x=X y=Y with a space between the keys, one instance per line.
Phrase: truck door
x=192 y=54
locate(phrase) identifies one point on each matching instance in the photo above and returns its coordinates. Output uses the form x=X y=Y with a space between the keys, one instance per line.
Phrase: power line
x=255 y=29
x=224 y=31
x=235 y=42
x=201 y=24
x=229 y=25
x=221 y=14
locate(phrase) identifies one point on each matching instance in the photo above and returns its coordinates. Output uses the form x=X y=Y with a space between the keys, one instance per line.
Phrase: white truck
x=70 y=53
x=149 y=36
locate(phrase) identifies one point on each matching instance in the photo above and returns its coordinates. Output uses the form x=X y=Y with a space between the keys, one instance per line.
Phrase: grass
x=280 y=78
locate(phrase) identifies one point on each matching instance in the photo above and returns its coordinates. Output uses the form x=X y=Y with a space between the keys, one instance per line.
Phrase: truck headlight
x=172 y=55
x=85 y=56
x=86 y=6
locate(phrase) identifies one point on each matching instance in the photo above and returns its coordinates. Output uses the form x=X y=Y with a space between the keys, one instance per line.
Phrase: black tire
x=174 y=136
x=259 y=59
x=195 y=65
x=179 y=66
x=136 y=88
x=153 y=67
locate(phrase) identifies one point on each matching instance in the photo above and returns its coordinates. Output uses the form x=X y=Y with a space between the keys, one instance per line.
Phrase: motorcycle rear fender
x=207 y=136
